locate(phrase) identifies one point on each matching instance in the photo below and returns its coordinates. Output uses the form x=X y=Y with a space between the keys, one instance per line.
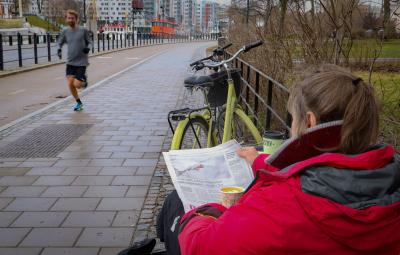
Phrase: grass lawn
x=365 y=48
x=387 y=87
x=38 y=22
x=10 y=23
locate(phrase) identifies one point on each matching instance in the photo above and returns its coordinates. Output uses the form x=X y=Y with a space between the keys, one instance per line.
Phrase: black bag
x=219 y=91
x=144 y=247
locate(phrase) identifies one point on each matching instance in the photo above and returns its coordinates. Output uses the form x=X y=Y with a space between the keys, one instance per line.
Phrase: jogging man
x=79 y=43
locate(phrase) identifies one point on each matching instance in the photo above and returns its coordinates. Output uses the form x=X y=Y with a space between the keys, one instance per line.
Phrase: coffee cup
x=230 y=195
x=272 y=140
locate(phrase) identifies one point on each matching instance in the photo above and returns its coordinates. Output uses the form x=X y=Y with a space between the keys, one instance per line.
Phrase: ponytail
x=361 y=120
x=332 y=93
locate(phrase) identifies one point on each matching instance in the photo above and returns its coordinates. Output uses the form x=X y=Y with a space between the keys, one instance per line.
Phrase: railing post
x=19 y=42
x=108 y=41
x=120 y=37
x=117 y=41
x=29 y=39
x=98 y=42
x=269 y=103
x=248 y=89
x=1 y=53
x=288 y=122
x=10 y=42
x=256 y=96
x=113 y=39
x=35 y=55
x=126 y=34
x=92 y=37
x=48 y=47
x=102 y=37
x=129 y=41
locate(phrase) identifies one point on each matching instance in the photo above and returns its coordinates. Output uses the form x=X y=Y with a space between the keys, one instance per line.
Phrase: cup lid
x=232 y=189
x=274 y=134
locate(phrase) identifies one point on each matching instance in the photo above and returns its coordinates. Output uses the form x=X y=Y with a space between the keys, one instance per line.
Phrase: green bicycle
x=222 y=118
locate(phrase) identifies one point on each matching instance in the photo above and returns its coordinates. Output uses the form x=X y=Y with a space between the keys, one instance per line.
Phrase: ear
x=311 y=119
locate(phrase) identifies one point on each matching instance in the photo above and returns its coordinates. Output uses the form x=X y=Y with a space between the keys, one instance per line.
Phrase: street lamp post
x=20 y=8
x=84 y=12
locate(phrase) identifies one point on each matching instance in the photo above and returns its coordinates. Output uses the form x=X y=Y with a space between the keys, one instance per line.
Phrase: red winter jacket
x=306 y=202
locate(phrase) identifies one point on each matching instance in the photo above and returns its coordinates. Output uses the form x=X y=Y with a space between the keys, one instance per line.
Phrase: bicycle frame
x=231 y=109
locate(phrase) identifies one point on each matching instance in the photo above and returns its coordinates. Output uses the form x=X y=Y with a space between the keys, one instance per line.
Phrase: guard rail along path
x=27 y=50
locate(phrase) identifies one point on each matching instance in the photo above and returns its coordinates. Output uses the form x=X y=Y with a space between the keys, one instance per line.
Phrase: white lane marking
x=17 y=92
x=132 y=58
x=103 y=57
x=59 y=78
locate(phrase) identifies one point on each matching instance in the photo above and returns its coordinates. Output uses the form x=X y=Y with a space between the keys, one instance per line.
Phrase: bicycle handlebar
x=216 y=52
x=243 y=49
x=252 y=45
x=201 y=60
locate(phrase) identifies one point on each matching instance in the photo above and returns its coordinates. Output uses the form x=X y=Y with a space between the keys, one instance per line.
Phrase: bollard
x=121 y=39
x=35 y=55
x=29 y=39
x=10 y=41
x=19 y=41
x=108 y=41
x=1 y=53
x=113 y=39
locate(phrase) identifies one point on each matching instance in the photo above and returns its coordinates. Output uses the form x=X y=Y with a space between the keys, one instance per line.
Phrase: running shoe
x=78 y=107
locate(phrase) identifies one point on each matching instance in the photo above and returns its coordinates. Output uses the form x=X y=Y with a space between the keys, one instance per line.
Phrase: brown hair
x=72 y=12
x=333 y=93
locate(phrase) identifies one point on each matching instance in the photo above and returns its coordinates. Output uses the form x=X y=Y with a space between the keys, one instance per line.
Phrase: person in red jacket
x=329 y=189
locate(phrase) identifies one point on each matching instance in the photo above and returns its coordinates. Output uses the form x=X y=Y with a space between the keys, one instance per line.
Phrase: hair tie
x=356 y=81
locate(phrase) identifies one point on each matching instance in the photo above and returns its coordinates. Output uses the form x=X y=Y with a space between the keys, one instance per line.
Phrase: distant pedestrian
x=79 y=42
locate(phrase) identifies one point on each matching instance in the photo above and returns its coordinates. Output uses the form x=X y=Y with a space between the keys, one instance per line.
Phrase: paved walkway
x=90 y=197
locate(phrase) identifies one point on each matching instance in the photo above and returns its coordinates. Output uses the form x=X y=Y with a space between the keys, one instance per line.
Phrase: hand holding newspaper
x=199 y=174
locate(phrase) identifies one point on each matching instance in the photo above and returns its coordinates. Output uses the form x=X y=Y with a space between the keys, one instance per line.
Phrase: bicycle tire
x=240 y=131
x=188 y=140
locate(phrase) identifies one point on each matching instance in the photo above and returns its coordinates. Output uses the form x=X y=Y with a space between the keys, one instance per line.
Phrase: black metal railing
x=263 y=98
x=22 y=50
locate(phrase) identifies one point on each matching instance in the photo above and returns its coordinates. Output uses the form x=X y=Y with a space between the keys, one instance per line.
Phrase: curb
x=85 y=92
x=59 y=62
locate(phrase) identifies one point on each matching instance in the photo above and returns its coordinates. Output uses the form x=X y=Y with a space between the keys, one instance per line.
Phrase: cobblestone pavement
x=102 y=192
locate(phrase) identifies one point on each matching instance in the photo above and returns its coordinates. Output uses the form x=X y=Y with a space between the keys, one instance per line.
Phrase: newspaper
x=199 y=174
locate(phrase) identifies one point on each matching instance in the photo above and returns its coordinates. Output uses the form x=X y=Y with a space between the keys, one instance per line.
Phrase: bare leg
x=72 y=87
x=77 y=84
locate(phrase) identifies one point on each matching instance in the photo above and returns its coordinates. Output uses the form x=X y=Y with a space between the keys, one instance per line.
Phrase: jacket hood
x=347 y=196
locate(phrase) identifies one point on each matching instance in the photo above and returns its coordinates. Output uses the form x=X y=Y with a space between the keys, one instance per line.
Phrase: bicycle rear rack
x=181 y=114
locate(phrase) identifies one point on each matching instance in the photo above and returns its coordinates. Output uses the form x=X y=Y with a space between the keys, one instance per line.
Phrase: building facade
x=7 y=7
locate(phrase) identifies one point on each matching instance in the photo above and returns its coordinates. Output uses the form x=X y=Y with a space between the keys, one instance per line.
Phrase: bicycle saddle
x=201 y=81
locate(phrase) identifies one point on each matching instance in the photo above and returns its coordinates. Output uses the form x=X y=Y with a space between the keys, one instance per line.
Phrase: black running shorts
x=79 y=72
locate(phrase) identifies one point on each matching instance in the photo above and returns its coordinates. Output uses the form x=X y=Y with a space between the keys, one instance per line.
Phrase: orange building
x=163 y=27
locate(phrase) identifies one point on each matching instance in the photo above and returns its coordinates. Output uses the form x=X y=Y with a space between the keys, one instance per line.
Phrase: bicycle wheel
x=240 y=131
x=195 y=134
